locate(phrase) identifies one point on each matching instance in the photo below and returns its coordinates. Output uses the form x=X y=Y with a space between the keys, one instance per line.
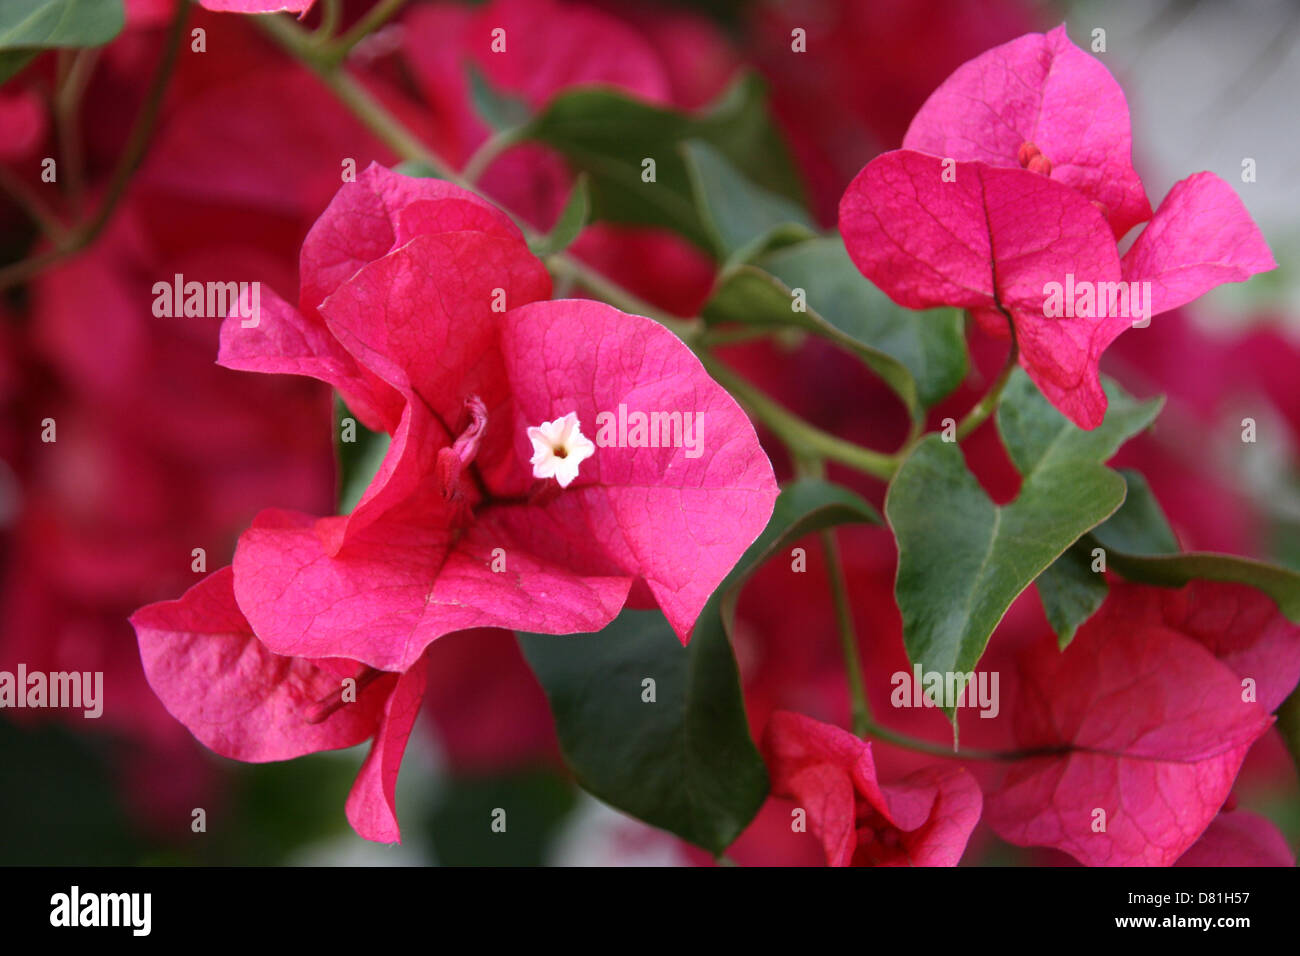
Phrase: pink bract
x=245 y=702
x=1150 y=716
x=923 y=820
x=1041 y=89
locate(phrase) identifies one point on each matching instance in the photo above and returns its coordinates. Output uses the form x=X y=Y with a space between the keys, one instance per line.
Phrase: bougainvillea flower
x=923 y=820
x=455 y=531
x=1043 y=90
x=245 y=702
x=1144 y=719
x=962 y=216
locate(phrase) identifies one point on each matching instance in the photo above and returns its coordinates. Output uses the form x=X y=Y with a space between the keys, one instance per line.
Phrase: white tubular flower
x=559 y=447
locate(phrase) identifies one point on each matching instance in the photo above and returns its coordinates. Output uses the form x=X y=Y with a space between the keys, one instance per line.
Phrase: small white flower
x=559 y=447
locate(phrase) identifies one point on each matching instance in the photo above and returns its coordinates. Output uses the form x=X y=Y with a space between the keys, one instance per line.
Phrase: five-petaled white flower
x=559 y=447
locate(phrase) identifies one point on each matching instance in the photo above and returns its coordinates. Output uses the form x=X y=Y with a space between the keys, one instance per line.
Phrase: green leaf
x=685 y=762
x=742 y=218
x=609 y=134
x=359 y=459
x=1140 y=546
x=1037 y=436
x=963 y=559
x=920 y=355
x=499 y=110
x=1070 y=591
x=930 y=344
x=42 y=24
x=573 y=217
x=1140 y=526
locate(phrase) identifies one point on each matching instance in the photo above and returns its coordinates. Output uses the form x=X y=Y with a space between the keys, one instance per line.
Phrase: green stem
x=987 y=405
x=329 y=21
x=375 y=17
x=565 y=266
x=800 y=436
x=356 y=97
x=493 y=147
x=940 y=750
x=861 y=707
x=132 y=155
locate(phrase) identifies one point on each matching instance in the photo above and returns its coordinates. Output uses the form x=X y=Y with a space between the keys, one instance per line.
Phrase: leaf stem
x=988 y=404
x=861 y=707
x=563 y=265
x=801 y=437
x=492 y=147
x=329 y=21
x=941 y=750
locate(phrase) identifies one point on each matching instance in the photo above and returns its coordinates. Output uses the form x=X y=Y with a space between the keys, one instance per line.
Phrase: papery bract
x=990 y=240
x=245 y=702
x=1200 y=237
x=923 y=820
x=1039 y=89
x=1148 y=710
